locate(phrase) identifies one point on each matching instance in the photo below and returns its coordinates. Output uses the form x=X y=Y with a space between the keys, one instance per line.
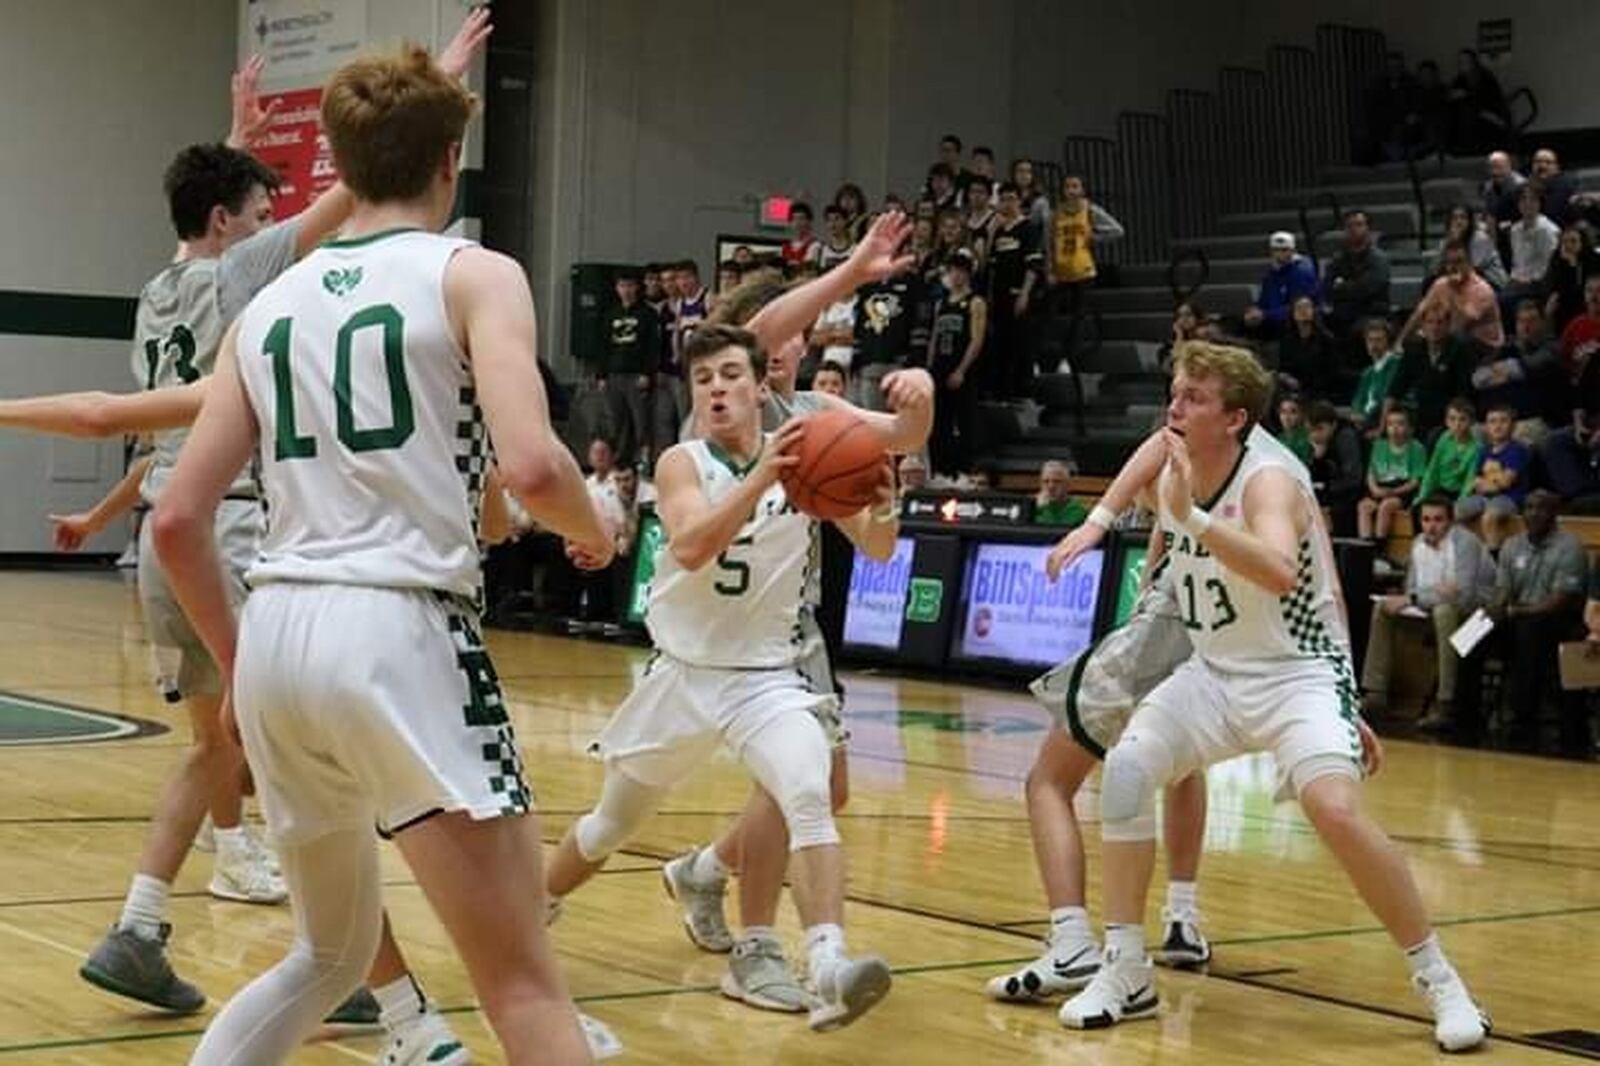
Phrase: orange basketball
x=840 y=457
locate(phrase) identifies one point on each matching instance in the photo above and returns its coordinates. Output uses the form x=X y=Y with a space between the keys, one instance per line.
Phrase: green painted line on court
x=30 y=720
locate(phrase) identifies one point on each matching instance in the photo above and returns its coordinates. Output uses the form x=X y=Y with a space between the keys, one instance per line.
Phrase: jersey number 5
x=1222 y=612
x=402 y=414
x=738 y=568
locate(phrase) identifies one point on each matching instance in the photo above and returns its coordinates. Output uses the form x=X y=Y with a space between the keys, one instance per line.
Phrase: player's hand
x=1371 y=749
x=71 y=530
x=1085 y=538
x=457 y=55
x=908 y=390
x=778 y=456
x=597 y=557
x=877 y=255
x=955 y=380
x=1178 y=492
x=250 y=119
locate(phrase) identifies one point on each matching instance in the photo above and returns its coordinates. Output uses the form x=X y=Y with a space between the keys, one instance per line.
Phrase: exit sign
x=775 y=212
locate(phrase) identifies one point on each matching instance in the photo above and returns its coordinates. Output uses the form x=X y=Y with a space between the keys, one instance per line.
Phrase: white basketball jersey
x=739 y=611
x=1235 y=624
x=373 y=450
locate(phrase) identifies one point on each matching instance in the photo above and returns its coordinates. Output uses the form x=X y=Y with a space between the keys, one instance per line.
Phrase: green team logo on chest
x=342 y=281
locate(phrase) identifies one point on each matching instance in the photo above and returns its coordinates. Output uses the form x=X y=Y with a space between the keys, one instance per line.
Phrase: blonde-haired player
x=360 y=380
x=1254 y=574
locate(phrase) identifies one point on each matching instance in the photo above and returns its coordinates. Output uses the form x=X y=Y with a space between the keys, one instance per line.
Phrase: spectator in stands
x=1501 y=481
x=1538 y=603
x=1463 y=224
x=655 y=287
x=1581 y=338
x=942 y=189
x=1468 y=301
x=802 y=245
x=1435 y=368
x=728 y=275
x=950 y=152
x=1591 y=610
x=949 y=233
x=633 y=355
x=1308 y=355
x=1055 y=504
x=886 y=312
x=1016 y=259
x=853 y=202
x=1394 y=473
x=979 y=223
x=838 y=243
x=1572 y=453
x=1479 y=106
x=1533 y=242
x=981 y=172
x=1450 y=575
x=1556 y=187
x=1077 y=226
x=831 y=378
x=833 y=337
x=1372 y=387
x=1336 y=470
x=1391 y=112
x=957 y=344
x=1574 y=263
x=1525 y=374
x=912 y=473
x=1356 y=285
x=1292 y=429
x=1454 y=462
x=1035 y=204
x=1189 y=323
x=1500 y=189
x=1290 y=277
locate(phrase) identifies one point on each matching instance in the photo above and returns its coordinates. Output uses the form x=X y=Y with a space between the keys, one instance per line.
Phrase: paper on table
x=1472 y=631
x=1580 y=666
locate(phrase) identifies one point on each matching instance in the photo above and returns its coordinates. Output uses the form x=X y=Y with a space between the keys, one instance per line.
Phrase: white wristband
x=1197 y=523
x=1102 y=516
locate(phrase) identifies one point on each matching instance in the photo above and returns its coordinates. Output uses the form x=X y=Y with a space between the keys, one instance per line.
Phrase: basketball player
x=363 y=693
x=1254 y=577
x=757 y=844
x=1094 y=694
x=723 y=614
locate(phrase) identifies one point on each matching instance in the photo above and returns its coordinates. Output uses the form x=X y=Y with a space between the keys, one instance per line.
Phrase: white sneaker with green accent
x=424 y=1041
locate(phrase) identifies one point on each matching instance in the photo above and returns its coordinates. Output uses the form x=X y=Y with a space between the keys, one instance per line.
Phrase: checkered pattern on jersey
x=472 y=450
x=1312 y=638
x=485 y=711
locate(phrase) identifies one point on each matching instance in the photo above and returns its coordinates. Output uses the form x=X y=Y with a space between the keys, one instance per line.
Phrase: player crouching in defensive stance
x=722 y=614
x=1254 y=573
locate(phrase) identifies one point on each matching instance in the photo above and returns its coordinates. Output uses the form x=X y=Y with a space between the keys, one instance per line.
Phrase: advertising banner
x=1015 y=613
x=876 y=606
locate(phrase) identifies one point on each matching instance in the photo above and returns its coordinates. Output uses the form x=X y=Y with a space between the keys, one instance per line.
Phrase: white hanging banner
x=303 y=41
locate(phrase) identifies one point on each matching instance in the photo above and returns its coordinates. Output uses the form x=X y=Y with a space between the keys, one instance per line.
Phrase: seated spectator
x=1289 y=277
x=1308 y=356
x=1525 y=374
x=1189 y=323
x=602 y=462
x=912 y=474
x=886 y=314
x=1055 y=504
x=1372 y=387
x=1572 y=453
x=831 y=378
x=1581 y=338
x=1449 y=576
x=1574 y=263
x=1434 y=369
x=1533 y=243
x=838 y=243
x=1454 y=462
x=1499 y=190
x=1469 y=301
x=1292 y=430
x=1538 y=604
x=1336 y=471
x=1556 y=187
x=1394 y=472
x=1501 y=481
x=852 y=202
x=1462 y=224
x=802 y=245
x=1355 y=286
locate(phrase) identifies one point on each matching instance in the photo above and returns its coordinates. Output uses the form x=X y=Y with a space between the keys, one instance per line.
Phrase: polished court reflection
x=1507 y=850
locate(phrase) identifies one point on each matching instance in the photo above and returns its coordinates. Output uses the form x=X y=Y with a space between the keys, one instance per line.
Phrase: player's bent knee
x=624 y=805
x=1128 y=794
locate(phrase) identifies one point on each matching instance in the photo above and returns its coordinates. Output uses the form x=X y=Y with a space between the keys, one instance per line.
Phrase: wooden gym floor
x=1507 y=850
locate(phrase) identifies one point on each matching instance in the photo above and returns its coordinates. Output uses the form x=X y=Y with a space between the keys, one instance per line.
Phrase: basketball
x=837 y=475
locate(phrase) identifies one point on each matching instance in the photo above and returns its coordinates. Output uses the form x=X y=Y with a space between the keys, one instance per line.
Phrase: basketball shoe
x=1066 y=966
x=426 y=1040
x=846 y=989
x=759 y=975
x=701 y=903
x=1124 y=989
x=1185 y=947
x=1459 y=1024
x=243 y=872
x=137 y=967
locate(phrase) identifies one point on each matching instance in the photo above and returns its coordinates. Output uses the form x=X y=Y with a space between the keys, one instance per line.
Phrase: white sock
x=708 y=868
x=1126 y=940
x=760 y=932
x=824 y=946
x=1182 y=896
x=400 y=1002
x=1069 y=925
x=145 y=909
x=1426 y=956
x=231 y=841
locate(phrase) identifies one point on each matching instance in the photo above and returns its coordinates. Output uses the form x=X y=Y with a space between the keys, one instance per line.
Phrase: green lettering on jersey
x=402 y=414
x=289 y=444
x=181 y=343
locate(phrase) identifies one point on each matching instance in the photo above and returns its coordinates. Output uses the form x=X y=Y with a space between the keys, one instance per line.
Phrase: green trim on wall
x=60 y=314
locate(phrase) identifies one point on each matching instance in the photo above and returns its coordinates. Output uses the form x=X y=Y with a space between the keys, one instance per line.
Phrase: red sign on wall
x=296 y=148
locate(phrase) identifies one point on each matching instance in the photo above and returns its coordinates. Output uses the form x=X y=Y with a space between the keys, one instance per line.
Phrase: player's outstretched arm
x=876 y=256
x=699 y=530
x=491 y=310
x=92 y=415
x=223 y=439
x=905 y=427
x=71 y=530
x=1262 y=553
x=1137 y=476
x=250 y=119
x=875 y=529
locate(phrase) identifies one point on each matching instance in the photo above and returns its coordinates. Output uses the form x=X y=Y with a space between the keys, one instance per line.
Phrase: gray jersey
x=183 y=313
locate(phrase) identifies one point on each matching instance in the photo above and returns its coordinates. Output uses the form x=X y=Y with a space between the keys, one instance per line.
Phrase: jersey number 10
x=402 y=415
